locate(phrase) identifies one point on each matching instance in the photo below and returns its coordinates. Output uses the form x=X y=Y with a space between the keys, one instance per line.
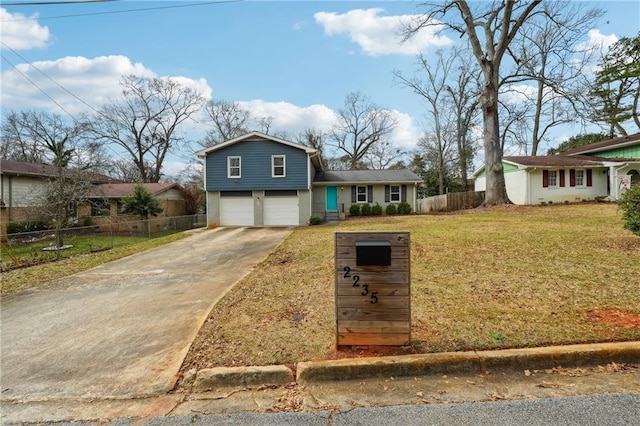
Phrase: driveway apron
x=122 y=330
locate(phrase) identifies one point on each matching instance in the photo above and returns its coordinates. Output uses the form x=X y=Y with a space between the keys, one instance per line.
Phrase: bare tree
x=499 y=23
x=229 y=120
x=383 y=155
x=551 y=54
x=315 y=139
x=439 y=155
x=450 y=90
x=57 y=201
x=361 y=124
x=145 y=120
x=40 y=137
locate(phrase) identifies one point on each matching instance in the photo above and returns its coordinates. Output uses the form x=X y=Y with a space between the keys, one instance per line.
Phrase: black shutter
x=545 y=178
x=589 y=177
x=370 y=194
x=403 y=196
x=387 y=193
x=561 y=178
x=353 y=194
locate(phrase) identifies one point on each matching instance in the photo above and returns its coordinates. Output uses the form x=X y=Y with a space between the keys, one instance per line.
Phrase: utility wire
x=47 y=76
x=53 y=2
x=143 y=9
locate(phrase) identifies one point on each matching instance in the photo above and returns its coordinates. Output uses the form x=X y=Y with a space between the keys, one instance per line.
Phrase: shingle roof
x=367 y=176
x=119 y=190
x=603 y=145
x=21 y=168
x=555 y=161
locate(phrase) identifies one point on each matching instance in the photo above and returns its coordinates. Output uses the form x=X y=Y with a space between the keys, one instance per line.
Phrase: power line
x=47 y=76
x=53 y=2
x=112 y=12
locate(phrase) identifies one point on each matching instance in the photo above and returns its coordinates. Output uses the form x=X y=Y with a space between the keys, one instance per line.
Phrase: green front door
x=332 y=198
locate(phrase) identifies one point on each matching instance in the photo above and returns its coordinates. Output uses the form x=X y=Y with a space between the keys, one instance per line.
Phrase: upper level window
x=361 y=194
x=394 y=192
x=553 y=178
x=233 y=167
x=580 y=178
x=278 y=166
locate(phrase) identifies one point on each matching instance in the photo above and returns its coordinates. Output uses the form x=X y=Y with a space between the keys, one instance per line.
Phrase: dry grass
x=17 y=280
x=496 y=278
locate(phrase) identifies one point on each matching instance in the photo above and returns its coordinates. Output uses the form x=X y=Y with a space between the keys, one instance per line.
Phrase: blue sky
x=292 y=60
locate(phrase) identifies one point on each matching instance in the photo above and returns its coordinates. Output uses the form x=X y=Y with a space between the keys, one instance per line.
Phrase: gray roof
x=367 y=176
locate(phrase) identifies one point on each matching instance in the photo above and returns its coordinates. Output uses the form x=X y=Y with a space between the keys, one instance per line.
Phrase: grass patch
x=487 y=279
x=17 y=280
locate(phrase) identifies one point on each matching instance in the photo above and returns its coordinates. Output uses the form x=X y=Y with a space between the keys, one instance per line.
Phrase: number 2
x=346 y=270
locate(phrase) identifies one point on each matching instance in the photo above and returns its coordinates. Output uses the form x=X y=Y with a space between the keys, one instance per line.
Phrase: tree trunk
x=496 y=192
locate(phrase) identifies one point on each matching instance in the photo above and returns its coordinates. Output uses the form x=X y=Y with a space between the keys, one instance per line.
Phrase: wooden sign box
x=373 y=283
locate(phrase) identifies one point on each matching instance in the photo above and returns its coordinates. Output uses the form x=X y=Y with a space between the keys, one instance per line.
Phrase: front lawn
x=485 y=279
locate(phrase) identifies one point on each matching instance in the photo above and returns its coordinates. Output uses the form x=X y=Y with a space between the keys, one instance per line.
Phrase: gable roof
x=119 y=190
x=254 y=135
x=21 y=168
x=607 y=145
x=366 y=176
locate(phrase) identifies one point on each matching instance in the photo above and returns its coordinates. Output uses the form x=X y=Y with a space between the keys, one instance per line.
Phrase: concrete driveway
x=123 y=329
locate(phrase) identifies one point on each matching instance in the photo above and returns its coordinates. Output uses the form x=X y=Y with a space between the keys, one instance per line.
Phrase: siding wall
x=256 y=167
x=344 y=197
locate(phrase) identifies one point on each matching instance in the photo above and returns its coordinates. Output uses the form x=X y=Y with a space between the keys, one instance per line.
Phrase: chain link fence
x=31 y=248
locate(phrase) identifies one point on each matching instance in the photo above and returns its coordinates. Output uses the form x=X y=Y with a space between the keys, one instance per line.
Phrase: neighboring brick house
x=601 y=170
x=21 y=183
x=105 y=199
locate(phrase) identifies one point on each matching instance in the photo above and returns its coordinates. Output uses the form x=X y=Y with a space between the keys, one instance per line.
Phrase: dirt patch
x=616 y=316
x=370 y=351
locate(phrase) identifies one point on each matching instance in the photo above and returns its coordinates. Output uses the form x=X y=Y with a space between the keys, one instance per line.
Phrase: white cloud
x=380 y=35
x=291 y=118
x=20 y=32
x=406 y=134
x=94 y=80
x=600 y=41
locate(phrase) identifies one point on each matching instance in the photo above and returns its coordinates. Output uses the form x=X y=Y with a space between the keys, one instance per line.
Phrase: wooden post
x=373 y=288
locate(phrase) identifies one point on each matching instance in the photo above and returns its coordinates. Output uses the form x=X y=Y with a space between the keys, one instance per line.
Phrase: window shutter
x=589 y=177
x=561 y=172
x=403 y=194
x=545 y=178
x=572 y=177
x=353 y=194
x=370 y=194
x=387 y=193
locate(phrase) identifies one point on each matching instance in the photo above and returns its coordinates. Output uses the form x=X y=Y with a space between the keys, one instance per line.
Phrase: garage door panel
x=236 y=211
x=281 y=211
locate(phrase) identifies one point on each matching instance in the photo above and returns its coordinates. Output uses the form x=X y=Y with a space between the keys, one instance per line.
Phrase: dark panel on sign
x=373 y=253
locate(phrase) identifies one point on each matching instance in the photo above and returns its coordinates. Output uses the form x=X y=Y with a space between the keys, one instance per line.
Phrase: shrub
x=354 y=210
x=404 y=208
x=630 y=205
x=18 y=227
x=365 y=210
x=376 y=210
x=391 y=209
x=315 y=220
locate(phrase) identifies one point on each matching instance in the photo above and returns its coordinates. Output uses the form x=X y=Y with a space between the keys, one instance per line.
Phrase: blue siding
x=256 y=167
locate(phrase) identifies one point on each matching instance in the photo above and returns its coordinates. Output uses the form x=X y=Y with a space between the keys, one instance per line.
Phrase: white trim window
x=394 y=193
x=278 y=166
x=234 y=167
x=553 y=178
x=581 y=179
x=361 y=194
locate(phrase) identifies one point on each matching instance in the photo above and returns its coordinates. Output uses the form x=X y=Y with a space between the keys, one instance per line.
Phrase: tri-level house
x=598 y=171
x=262 y=180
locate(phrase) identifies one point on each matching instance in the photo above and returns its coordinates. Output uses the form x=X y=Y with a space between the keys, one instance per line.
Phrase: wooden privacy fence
x=450 y=202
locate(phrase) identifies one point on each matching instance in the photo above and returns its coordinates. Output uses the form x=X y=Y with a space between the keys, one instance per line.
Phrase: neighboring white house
x=602 y=170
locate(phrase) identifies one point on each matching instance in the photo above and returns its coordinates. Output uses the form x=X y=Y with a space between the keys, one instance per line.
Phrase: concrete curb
x=452 y=362
x=416 y=365
x=211 y=378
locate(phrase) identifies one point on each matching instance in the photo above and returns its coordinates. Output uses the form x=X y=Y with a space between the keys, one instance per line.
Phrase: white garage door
x=281 y=210
x=236 y=211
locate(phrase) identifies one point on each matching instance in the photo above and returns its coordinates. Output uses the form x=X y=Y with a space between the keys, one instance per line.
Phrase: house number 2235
x=356 y=283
